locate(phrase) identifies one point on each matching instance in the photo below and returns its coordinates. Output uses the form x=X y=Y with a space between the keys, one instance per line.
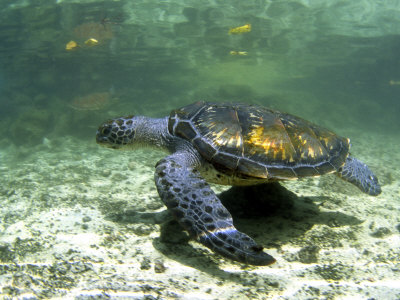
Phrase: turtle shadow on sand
x=269 y=213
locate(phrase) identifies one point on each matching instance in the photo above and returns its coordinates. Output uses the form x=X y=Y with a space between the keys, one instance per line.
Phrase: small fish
x=238 y=52
x=91 y=42
x=71 y=45
x=394 y=82
x=240 y=29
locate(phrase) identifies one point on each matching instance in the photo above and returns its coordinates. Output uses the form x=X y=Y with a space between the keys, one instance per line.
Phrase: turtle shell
x=254 y=141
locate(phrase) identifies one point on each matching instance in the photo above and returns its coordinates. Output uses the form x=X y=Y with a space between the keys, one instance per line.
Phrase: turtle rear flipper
x=358 y=173
x=196 y=207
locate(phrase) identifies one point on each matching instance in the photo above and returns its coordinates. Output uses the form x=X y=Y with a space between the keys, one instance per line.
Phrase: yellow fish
x=240 y=29
x=71 y=45
x=238 y=52
x=91 y=42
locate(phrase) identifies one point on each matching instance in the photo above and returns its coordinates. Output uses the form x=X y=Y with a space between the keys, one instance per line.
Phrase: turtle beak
x=103 y=135
x=104 y=141
x=101 y=139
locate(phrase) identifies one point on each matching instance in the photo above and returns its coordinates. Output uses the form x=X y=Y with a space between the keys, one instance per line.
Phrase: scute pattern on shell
x=259 y=142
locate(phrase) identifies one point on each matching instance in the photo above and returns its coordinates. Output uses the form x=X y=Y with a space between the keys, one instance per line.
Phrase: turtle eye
x=106 y=130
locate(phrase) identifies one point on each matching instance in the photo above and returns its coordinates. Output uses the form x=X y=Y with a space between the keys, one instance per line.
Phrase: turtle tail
x=358 y=173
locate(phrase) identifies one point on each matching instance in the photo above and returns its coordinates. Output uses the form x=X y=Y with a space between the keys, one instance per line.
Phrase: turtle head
x=119 y=133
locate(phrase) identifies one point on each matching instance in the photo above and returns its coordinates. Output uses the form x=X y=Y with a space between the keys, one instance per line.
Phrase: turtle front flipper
x=358 y=173
x=196 y=207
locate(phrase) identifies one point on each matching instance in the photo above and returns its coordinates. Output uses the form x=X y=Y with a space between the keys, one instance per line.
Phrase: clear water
x=336 y=63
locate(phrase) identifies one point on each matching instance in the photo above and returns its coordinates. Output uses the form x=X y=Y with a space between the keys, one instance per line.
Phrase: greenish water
x=336 y=63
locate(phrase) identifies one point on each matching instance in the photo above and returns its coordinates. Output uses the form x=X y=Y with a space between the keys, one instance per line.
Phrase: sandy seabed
x=79 y=221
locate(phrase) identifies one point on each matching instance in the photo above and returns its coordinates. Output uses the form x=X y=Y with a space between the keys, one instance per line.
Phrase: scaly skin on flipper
x=196 y=207
x=358 y=173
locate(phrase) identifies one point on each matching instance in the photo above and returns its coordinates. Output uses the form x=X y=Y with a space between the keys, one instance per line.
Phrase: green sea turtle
x=232 y=144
